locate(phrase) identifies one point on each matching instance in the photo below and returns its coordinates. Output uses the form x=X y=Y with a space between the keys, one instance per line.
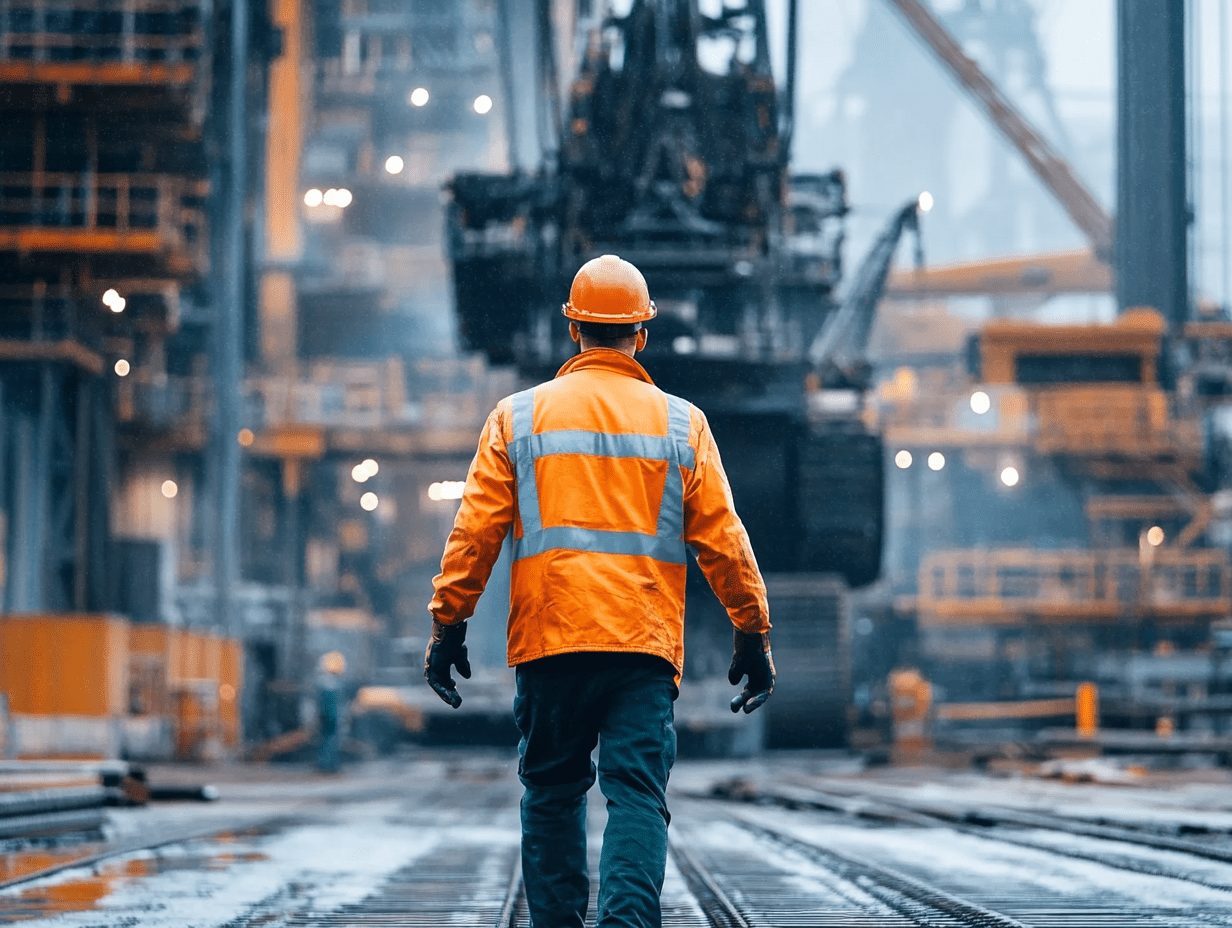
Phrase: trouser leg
x=554 y=855
x=637 y=747
x=556 y=771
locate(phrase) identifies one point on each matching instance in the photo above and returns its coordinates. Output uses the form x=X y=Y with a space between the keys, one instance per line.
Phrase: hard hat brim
x=577 y=315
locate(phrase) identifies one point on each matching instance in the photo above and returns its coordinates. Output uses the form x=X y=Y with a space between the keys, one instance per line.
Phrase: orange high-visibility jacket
x=606 y=481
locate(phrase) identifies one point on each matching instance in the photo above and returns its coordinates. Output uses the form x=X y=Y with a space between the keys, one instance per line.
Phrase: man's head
x=608 y=303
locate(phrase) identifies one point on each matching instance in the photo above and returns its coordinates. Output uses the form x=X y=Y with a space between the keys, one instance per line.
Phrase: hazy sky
x=1077 y=38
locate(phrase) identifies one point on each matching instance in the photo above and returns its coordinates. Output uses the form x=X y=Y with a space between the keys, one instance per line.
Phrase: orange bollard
x=1086 y=710
x=911 y=701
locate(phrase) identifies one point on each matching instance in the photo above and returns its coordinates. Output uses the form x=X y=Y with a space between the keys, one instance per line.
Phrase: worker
x=329 y=709
x=605 y=482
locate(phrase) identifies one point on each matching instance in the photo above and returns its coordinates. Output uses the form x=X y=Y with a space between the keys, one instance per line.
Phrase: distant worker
x=606 y=482
x=329 y=711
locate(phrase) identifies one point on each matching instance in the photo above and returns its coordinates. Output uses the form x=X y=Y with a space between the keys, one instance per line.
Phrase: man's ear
x=643 y=336
x=574 y=332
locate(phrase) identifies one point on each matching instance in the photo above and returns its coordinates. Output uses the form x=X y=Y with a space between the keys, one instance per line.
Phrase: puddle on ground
x=16 y=864
x=82 y=893
x=27 y=860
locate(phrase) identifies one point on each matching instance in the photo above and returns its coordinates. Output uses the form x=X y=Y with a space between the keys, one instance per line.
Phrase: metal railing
x=1119 y=418
x=162 y=402
x=1126 y=421
x=1001 y=584
x=432 y=394
x=100 y=32
x=142 y=213
x=439 y=398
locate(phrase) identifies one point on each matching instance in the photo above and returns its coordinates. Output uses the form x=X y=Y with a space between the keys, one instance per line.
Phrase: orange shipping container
x=153 y=654
x=55 y=664
x=198 y=657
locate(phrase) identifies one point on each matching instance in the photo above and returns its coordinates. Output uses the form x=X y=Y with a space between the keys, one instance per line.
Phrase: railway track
x=445 y=852
x=1026 y=829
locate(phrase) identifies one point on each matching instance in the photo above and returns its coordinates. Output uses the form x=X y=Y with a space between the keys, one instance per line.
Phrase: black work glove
x=751 y=655
x=446 y=648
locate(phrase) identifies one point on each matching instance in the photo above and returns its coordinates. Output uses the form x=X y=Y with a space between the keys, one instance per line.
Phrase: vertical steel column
x=6 y=500
x=81 y=494
x=1225 y=203
x=551 y=137
x=41 y=540
x=504 y=26
x=788 y=120
x=1153 y=212
x=228 y=356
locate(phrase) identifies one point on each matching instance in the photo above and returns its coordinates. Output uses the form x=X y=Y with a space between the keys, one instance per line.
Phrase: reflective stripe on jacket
x=606 y=482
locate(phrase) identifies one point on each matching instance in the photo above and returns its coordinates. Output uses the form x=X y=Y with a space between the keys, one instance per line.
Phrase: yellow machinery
x=1084 y=402
x=1053 y=506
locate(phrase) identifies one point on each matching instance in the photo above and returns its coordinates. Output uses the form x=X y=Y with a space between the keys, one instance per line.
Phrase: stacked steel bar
x=39 y=799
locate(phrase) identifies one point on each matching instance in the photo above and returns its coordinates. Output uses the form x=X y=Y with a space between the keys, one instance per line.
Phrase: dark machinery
x=674 y=155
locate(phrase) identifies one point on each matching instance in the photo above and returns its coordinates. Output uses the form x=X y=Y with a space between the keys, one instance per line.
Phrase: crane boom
x=838 y=350
x=1052 y=169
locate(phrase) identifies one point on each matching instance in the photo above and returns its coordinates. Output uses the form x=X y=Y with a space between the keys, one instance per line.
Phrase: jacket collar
x=605 y=359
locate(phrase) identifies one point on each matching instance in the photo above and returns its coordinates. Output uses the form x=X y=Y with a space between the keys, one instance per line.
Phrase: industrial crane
x=838 y=353
x=1082 y=271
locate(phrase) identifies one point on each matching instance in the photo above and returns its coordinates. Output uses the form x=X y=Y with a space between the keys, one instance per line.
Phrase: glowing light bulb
x=122 y=367
x=483 y=104
x=170 y=489
x=419 y=96
x=925 y=202
x=936 y=461
x=980 y=402
x=1010 y=476
x=113 y=301
x=446 y=489
x=1154 y=536
x=369 y=501
x=903 y=459
x=394 y=165
x=313 y=198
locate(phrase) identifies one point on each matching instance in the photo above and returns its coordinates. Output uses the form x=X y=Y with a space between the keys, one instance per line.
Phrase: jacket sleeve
x=715 y=532
x=484 y=518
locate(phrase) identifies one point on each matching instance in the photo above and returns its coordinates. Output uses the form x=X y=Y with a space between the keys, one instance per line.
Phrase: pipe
x=227 y=369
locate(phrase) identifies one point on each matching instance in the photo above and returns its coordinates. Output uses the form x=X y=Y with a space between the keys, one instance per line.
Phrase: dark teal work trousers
x=565 y=706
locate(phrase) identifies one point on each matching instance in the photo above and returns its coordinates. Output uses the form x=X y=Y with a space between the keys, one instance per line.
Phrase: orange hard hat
x=610 y=290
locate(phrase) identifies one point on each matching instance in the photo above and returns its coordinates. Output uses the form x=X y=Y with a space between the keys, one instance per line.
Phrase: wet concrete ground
x=432 y=839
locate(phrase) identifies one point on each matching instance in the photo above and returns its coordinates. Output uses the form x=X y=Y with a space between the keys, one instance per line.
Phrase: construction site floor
x=431 y=838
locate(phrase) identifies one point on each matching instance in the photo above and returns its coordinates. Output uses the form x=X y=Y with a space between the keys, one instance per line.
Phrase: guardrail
x=100 y=32
x=155 y=214
x=437 y=396
x=1012 y=585
x=1125 y=419
x=164 y=402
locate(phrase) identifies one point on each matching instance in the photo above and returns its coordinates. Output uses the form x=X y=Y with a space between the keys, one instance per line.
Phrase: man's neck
x=591 y=346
